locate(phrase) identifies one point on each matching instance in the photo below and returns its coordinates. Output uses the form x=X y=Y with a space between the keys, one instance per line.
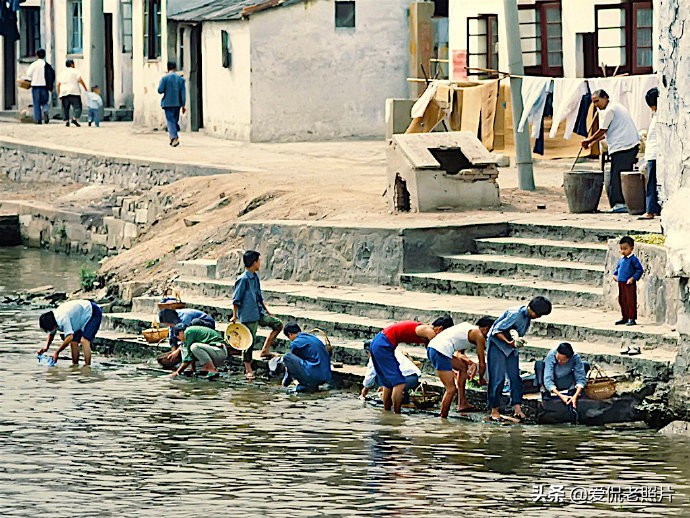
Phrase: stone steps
x=393 y=304
x=543 y=248
x=454 y=283
x=350 y=351
x=536 y=268
x=204 y=268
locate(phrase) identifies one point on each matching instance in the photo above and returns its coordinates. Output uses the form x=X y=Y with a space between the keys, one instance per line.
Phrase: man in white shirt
x=407 y=368
x=447 y=353
x=69 y=92
x=623 y=139
x=42 y=77
x=653 y=207
x=78 y=322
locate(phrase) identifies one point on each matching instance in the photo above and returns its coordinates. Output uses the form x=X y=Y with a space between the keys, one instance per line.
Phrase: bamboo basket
x=176 y=303
x=155 y=334
x=425 y=397
x=25 y=84
x=599 y=385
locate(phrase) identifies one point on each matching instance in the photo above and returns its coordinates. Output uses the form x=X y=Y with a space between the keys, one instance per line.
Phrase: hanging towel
x=567 y=98
x=471 y=109
x=489 y=93
x=583 y=112
x=548 y=112
x=534 y=90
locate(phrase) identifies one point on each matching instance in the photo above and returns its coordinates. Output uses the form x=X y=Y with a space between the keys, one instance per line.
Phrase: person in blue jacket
x=503 y=357
x=308 y=361
x=173 y=88
x=565 y=374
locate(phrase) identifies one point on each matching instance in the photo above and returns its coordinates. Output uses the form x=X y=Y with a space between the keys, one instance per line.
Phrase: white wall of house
x=227 y=105
x=89 y=61
x=577 y=16
x=146 y=74
x=310 y=80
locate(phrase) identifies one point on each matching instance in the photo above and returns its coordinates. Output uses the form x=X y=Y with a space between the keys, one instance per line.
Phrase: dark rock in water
x=618 y=409
x=58 y=296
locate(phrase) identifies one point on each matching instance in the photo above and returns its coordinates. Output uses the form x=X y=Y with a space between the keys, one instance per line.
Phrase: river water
x=118 y=439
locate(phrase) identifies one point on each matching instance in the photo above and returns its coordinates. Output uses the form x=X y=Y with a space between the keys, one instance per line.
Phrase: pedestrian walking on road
x=42 y=77
x=618 y=128
x=172 y=86
x=69 y=92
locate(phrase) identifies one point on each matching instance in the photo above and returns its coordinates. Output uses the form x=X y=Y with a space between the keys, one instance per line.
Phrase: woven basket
x=425 y=397
x=321 y=335
x=599 y=385
x=168 y=363
x=25 y=84
x=155 y=334
x=171 y=300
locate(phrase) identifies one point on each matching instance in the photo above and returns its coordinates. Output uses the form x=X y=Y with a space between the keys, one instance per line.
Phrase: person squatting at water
x=565 y=374
x=408 y=369
x=308 y=361
x=78 y=322
x=249 y=308
x=199 y=345
x=447 y=353
x=383 y=354
x=503 y=357
x=188 y=317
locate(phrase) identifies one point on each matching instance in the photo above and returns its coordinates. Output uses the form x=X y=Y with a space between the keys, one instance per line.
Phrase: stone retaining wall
x=308 y=251
x=27 y=163
x=658 y=296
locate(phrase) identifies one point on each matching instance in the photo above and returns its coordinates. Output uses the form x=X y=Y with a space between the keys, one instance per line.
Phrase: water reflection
x=118 y=439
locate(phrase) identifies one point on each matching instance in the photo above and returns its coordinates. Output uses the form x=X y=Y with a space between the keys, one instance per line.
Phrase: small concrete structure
x=433 y=171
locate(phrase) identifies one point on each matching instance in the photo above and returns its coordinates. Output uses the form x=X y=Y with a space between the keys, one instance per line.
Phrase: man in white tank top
x=449 y=350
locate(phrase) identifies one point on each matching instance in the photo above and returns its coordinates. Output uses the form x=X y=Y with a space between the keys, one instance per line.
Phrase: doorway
x=196 y=102
x=9 y=87
x=589 y=54
x=109 y=87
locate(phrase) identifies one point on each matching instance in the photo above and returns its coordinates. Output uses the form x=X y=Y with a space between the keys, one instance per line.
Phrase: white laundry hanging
x=567 y=96
x=534 y=92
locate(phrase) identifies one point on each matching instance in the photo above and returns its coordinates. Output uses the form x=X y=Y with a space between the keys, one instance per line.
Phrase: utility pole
x=523 y=154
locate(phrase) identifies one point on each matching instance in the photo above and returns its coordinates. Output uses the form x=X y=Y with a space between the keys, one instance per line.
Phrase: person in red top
x=383 y=354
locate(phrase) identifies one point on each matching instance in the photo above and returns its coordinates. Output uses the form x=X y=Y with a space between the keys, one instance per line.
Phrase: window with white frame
x=541 y=38
x=126 y=8
x=76 y=27
x=152 y=29
x=624 y=37
x=482 y=44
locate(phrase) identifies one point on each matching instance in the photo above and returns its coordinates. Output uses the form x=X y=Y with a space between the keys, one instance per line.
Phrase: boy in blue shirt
x=627 y=272
x=94 y=103
x=503 y=357
x=249 y=308
x=308 y=360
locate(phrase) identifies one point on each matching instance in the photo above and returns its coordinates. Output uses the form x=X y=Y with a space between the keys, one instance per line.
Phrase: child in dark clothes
x=627 y=272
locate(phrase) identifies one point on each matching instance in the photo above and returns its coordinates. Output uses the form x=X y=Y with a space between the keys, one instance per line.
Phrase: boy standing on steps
x=249 y=308
x=627 y=272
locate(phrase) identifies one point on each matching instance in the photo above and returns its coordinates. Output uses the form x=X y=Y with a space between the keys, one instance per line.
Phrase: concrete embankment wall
x=341 y=254
x=28 y=163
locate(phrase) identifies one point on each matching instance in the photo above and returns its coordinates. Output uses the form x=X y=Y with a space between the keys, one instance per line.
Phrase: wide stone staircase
x=561 y=262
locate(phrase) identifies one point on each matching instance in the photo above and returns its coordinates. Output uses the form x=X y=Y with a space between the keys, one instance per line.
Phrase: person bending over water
x=308 y=360
x=447 y=353
x=383 y=354
x=200 y=344
x=78 y=322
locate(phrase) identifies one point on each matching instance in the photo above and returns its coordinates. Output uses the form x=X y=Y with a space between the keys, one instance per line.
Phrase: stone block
x=141 y=216
x=25 y=220
x=133 y=289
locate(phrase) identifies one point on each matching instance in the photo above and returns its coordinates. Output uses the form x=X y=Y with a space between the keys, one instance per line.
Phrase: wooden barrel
x=9 y=230
x=632 y=184
x=583 y=190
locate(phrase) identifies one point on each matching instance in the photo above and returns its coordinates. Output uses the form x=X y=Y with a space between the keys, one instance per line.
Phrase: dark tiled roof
x=209 y=10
